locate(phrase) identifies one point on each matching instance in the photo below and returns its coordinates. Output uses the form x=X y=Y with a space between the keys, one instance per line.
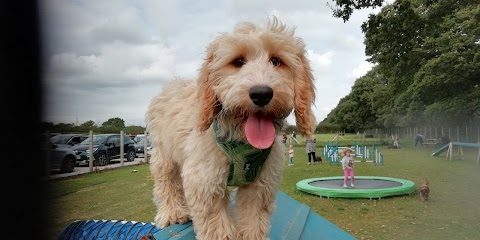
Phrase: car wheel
x=131 y=155
x=68 y=164
x=101 y=160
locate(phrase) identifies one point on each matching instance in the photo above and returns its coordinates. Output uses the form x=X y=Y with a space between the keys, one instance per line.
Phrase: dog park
x=451 y=212
x=215 y=91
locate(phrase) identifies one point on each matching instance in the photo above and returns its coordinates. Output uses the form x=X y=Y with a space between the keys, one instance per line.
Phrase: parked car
x=68 y=140
x=140 y=146
x=105 y=148
x=59 y=158
x=138 y=138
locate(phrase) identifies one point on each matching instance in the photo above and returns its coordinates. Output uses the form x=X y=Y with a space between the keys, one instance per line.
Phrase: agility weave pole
x=332 y=153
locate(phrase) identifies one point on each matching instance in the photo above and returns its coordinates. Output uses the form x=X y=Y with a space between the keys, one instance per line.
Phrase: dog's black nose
x=261 y=95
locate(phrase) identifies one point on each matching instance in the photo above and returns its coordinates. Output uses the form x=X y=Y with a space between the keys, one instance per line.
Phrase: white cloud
x=361 y=69
x=320 y=63
x=108 y=58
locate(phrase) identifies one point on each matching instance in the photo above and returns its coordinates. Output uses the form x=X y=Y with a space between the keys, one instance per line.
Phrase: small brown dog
x=424 y=190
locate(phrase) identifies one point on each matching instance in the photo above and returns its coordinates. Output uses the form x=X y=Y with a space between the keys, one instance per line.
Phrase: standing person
x=310 y=147
x=443 y=140
x=347 y=165
x=419 y=139
x=293 y=136
x=290 y=155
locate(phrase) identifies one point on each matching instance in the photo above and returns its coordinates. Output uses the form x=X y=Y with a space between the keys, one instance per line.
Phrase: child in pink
x=347 y=165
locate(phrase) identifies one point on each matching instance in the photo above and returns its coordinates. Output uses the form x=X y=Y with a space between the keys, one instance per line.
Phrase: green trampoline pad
x=365 y=187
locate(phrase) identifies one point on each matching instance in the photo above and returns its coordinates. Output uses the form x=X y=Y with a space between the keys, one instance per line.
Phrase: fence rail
x=466 y=133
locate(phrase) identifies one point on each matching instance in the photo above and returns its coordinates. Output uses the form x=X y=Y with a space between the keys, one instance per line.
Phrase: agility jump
x=332 y=152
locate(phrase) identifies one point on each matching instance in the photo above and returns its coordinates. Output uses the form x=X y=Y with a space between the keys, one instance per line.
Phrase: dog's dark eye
x=239 y=62
x=275 y=61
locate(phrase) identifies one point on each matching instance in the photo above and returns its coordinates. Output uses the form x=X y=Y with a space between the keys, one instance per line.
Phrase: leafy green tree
x=358 y=110
x=390 y=38
x=326 y=127
x=85 y=127
x=112 y=125
x=63 y=128
x=448 y=84
x=290 y=128
x=428 y=53
x=88 y=125
x=134 y=130
x=116 y=123
x=344 y=8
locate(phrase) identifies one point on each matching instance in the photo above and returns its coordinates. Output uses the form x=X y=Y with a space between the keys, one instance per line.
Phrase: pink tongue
x=260 y=131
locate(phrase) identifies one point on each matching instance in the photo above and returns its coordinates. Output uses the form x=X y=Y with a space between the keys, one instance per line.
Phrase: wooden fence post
x=122 y=148
x=478 y=134
x=466 y=133
x=90 y=160
x=458 y=136
x=146 y=157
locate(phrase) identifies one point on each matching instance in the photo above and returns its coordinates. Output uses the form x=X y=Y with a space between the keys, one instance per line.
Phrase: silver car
x=59 y=158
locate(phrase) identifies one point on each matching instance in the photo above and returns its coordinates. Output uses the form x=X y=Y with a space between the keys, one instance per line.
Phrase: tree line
x=112 y=125
x=426 y=56
x=115 y=125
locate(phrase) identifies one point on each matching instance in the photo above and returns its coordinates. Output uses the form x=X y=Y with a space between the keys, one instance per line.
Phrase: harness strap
x=245 y=161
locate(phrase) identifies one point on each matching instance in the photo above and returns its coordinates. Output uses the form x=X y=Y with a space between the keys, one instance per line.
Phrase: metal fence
x=466 y=133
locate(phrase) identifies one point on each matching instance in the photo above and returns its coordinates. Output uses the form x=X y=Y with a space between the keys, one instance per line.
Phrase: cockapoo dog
x=424 y=190
x=225 y=128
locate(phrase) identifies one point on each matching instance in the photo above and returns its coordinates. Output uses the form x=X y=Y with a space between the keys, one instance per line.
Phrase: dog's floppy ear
x=304 y=98
x=206 y=96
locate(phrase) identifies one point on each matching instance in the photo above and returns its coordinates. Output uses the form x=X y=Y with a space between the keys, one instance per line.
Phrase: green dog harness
x=245 y=161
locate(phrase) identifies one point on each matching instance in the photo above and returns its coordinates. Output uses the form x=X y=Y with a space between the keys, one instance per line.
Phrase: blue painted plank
x=441 y=150
x=291 y=220
x=319 y=228
x=445 y=147
x=466 y=144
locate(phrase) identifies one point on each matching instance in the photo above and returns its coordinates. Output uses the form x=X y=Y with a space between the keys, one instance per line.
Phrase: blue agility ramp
x=290 y=221
x=449 y=148
x=451 y=144
x=441 y=150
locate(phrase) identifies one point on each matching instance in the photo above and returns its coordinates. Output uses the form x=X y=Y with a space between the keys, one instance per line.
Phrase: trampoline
x=365 y=187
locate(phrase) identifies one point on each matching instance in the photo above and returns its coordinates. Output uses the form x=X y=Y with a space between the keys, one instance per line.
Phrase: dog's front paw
x=163 y=220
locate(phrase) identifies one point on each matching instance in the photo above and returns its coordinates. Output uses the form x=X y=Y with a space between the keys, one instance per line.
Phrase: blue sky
x=105 y=59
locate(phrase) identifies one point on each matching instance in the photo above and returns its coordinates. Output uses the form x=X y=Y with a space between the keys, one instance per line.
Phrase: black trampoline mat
x=359 y=184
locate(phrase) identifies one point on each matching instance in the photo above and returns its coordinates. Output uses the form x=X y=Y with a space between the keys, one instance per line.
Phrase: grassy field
x=452 y=212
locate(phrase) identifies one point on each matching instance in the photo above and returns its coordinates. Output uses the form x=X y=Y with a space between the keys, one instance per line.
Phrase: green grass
x=452 y=212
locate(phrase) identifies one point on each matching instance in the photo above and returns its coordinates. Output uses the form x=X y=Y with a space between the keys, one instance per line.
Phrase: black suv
x=105 y=148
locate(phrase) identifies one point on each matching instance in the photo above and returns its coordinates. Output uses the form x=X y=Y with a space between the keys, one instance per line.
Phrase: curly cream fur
x=189 y=170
